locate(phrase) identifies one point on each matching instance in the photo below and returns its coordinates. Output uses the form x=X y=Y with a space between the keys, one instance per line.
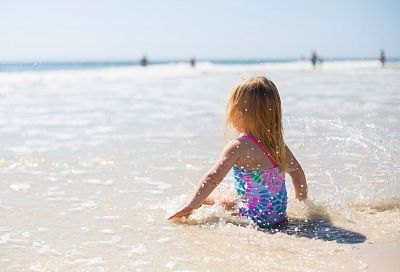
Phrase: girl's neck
x=241 y=133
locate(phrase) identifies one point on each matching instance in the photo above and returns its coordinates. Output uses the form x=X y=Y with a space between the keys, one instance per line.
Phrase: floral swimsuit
x=263 y=196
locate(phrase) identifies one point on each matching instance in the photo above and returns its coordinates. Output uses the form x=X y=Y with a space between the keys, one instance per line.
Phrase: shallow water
x=92 y=162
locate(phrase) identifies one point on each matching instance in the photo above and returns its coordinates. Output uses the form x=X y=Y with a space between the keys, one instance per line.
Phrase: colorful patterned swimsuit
x=262 y=193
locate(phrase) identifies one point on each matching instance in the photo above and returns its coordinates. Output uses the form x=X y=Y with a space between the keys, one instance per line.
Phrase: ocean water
x=93 y=160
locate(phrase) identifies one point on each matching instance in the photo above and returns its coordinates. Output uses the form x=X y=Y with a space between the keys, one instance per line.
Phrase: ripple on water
x=107 y=217
x=138 y=249
x=115 y=239
x=138 y=263
x=89 y=204
x=36 y=266
x=95 y=260
x=151 y=186
x=163 y=239
x=107 y=231
x=98 y=181
x=20 y=187
x=41 y=247
x=85 y=229
x=72 y=253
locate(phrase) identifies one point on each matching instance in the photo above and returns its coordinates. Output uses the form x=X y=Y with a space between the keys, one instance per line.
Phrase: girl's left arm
x=211 y=179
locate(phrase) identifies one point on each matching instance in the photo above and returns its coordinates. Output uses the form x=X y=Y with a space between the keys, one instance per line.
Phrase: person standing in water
x=259 y=158
x=382 y=58
x=192 y=62
x=144 y=61
x=314 y=58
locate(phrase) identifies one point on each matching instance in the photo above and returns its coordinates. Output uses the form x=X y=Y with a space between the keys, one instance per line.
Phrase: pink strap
x=257 y=142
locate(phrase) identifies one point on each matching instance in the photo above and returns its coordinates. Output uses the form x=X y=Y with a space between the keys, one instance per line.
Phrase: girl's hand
x=184 y=212
x=210 y=181
x=229 y=204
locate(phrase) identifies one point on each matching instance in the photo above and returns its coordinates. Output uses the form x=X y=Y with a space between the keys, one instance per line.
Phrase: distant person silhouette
x=382 y=58
x=192 y=62
x=313 y=58
x=144 y=61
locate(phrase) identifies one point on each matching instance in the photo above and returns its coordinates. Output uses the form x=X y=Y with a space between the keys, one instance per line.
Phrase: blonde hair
x=258 y=100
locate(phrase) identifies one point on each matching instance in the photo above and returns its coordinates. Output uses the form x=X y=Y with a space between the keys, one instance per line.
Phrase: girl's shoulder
x=236 y=146
x=239 y=146
x=233 y=144
x=239 y=142
x=243 y=141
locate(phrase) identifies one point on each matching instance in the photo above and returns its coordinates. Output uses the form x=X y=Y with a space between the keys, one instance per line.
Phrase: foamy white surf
x=92 y=161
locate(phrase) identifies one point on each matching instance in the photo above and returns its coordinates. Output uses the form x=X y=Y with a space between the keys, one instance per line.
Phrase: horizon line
x=211 y=59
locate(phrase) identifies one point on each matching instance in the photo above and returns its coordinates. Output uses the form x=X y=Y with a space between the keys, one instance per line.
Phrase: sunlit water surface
x=92 y=162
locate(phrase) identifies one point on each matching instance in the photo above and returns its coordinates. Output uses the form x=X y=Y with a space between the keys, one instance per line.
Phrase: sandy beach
x=92 y=161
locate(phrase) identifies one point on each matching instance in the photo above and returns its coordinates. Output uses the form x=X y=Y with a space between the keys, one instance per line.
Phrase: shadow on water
x=318 y=225
x=320 y=228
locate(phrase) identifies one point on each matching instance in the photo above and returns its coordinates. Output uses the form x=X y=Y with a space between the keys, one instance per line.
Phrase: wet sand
x=92 y=162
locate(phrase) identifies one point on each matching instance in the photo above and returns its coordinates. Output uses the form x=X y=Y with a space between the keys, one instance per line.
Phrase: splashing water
x=93 y=161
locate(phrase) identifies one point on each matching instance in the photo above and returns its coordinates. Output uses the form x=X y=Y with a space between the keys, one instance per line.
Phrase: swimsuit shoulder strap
x=257 y=142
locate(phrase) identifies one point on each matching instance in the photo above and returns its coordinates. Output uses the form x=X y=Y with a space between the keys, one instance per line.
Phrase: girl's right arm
x=297 y=174
x=211 y=179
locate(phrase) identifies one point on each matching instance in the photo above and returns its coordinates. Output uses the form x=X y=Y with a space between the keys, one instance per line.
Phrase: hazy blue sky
x=124 y=30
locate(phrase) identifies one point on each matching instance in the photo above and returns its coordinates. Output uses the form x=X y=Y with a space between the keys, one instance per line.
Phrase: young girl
x=259 y=157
